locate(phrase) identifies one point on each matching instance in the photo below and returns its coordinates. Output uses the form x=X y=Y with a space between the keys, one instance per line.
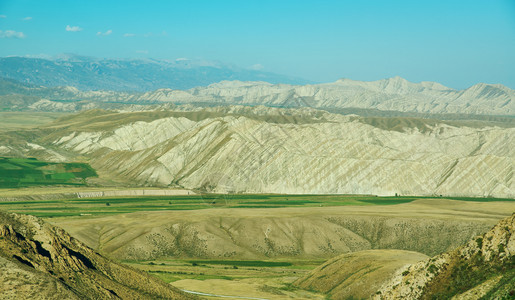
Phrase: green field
x=120 y=205
x=272 y=271
x=26 y=172
x=242 y=263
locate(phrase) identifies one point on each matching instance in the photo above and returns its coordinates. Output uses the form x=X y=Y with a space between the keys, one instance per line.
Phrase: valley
x=257 y=150
x=20 y=120
x=259 y=246
x=232 y=199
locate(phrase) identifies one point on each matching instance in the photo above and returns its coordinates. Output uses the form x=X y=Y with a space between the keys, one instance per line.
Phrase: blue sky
x=456 y=43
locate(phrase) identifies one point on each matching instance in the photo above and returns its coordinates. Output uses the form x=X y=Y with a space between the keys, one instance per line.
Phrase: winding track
x=221 y=296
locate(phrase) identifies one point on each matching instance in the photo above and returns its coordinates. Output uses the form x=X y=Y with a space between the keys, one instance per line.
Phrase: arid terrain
x=258 y=202
x=270 y=253
x=429 y=226
x=238 y=149
x=257 y=150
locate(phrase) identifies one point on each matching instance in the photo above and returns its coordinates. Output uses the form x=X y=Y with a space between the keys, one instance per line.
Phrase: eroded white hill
x=246 y=150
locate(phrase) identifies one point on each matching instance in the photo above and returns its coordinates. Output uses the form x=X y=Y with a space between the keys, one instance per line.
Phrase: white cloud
x=105 y=33
x=11 y=34
x=151 y=34
x=3 y=16
x=257 y=67
x=73 y=28
x=182 y=59
x=27 y=19
x=129 y=35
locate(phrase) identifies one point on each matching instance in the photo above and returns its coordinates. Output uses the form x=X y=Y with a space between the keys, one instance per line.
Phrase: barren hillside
x=357 y=275
x=260 y=150
x=40 y=261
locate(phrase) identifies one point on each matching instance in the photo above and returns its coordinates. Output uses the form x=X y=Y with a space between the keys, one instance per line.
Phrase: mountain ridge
x=88 y=74
x=263 y=150
x=393 y=94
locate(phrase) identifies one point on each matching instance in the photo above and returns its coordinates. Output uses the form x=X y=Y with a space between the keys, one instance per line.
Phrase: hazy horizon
x=453 y=43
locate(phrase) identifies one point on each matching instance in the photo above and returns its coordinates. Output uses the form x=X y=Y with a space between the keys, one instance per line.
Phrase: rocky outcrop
x=31 y=248
x=18 y=281
x=484 y=268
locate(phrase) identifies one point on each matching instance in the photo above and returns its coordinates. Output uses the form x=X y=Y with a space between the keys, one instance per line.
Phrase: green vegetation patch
x=467 y=274
x=27 y=172
x=504 y=289
x=119 y=205
x=387 y=200
x=242 y=263
x=283 y=202
x=481 y=199
x=170 y=276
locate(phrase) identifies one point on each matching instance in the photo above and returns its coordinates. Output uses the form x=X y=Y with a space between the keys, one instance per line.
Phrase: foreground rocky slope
x=260 y=150
x=484 y=268
x=40 y=261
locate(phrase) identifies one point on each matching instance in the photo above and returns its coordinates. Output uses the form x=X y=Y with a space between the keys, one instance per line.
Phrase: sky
x=456 y=43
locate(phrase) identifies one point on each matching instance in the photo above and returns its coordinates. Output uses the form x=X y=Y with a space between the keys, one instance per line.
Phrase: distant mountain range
x=392 y=94
x=72 y=83
x=343 y=96
x=88 y=73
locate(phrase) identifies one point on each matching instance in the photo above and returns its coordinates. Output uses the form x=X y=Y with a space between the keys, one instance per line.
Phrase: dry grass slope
x=357 y=275
x=429 y=226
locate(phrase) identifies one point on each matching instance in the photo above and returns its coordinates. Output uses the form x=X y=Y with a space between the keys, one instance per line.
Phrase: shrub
x=432 y=268
x=479 y=243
